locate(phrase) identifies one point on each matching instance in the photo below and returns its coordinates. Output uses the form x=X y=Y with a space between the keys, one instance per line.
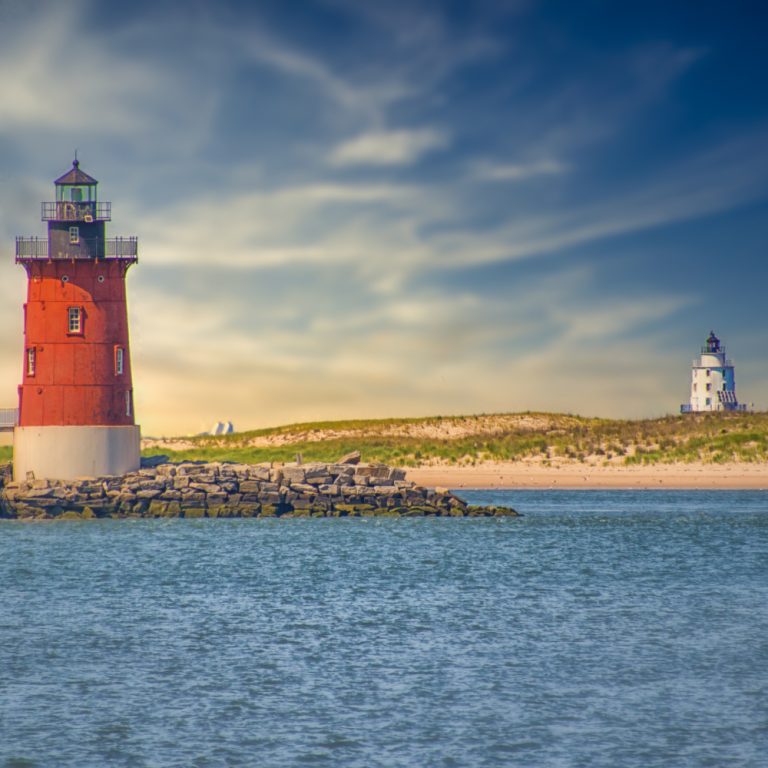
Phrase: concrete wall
x=66 y=453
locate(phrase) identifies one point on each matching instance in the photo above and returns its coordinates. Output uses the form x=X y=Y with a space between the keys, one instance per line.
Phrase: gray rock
x=148 y=493
x=294 y=474
x=341 y=469
x=315 y=470
x=234 y=490
x=275 y=475
x=206 y=487
x=303 y=488
x=37 y=493
x=376 y=471
x=260 y=472
x=385 y=490
x=354 y=490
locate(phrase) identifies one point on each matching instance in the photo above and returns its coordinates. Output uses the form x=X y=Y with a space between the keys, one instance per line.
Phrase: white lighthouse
x=713 y=387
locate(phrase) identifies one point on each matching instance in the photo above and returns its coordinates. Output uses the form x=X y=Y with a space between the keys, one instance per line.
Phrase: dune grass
x=711 y=438
x=466 y=440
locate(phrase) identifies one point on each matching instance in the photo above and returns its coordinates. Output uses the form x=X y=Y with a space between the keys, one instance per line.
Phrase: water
x=601 y=629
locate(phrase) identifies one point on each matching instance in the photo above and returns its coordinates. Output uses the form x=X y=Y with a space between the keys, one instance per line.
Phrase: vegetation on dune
x=711 y=438
x=467 y=440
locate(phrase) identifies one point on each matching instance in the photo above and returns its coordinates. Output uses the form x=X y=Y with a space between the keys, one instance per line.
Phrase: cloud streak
x=489 y=171
x=395 y=147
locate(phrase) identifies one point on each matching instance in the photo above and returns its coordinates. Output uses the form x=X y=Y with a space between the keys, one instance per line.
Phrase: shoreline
x=570 y=476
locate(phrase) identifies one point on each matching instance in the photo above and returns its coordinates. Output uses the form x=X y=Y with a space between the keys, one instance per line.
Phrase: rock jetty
x=217 y=489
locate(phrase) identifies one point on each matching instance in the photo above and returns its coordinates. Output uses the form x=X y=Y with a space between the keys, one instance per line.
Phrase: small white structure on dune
x=222 y=428
x=713 y=386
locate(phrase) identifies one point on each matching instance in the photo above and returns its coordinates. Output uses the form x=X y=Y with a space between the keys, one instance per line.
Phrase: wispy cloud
x=49 y=83
x=717 y=179
x=368 y=99
x=395 y=147
x=489 y=171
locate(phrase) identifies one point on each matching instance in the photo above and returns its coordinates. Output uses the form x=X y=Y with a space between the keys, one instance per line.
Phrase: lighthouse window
x=74 y=235
x=709 y=373
x=31 y=361
x=75 y=323
x=709 y=401
x=709 y=386
x=119 y=362
x=128 y=403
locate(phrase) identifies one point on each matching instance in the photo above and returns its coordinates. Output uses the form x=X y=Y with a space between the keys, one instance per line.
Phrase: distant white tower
x=713 y=387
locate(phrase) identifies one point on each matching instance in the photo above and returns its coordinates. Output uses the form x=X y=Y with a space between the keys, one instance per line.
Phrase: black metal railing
x=66 y=211
x=9 y=418
x=114 y=248
x=121 y=248
x=31 y=248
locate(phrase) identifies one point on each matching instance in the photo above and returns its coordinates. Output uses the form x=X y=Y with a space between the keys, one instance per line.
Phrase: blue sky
x=351 y=209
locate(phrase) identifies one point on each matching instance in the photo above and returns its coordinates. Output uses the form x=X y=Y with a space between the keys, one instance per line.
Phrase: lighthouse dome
x=75 y=176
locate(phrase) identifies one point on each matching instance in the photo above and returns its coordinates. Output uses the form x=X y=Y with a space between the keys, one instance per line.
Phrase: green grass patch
x=713 y=438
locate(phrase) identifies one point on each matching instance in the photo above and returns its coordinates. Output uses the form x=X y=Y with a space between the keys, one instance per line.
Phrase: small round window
x=65 y=278
x=101 y=278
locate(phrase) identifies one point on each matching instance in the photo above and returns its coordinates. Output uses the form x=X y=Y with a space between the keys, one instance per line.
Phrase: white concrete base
x=66 y=453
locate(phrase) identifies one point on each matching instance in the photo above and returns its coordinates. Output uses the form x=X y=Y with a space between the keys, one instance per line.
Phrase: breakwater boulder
x=218 y=489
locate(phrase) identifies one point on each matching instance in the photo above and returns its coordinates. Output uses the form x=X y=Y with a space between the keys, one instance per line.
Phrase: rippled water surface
x=601 y=629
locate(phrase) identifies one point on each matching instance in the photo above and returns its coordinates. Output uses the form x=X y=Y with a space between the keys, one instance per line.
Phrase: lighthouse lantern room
x=76 y=397
x=713 y=384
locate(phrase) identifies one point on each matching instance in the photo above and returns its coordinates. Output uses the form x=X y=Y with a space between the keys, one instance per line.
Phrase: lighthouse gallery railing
x=114 y=248
x=9 y=418
x=66 y=211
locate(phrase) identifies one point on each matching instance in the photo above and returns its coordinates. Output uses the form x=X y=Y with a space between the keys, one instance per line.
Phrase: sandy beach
x=575 y=475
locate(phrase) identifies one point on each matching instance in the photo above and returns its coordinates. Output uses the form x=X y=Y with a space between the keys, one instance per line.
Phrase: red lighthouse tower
x=76 y=398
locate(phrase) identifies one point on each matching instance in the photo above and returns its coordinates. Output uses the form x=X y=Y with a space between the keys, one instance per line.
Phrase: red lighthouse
x=76 y=398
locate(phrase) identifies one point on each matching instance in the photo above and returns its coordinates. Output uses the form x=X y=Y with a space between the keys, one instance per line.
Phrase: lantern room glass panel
x=76 y=193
